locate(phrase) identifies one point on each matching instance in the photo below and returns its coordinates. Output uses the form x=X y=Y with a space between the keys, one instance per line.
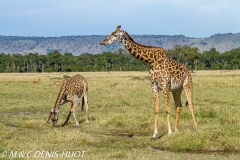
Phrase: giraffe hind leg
x=86 y=106
x=85 y=102
x=187 y=86
x=156 y=110
x=167 y=105
x=178 y=104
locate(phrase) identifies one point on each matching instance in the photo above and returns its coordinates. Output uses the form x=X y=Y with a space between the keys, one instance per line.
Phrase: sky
x=55 y=18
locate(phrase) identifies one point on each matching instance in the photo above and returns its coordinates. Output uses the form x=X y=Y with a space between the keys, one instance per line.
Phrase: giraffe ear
x=118 y=28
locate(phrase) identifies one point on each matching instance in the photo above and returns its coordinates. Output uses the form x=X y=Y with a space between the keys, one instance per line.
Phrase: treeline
x=56 y=62
x=119 y=60
x=208 y=60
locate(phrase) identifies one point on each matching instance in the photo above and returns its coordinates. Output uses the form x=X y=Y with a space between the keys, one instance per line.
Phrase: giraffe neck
x=147 y=54
x=59 y=97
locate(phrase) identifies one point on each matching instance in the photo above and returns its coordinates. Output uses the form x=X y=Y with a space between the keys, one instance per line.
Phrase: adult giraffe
x=165 y=74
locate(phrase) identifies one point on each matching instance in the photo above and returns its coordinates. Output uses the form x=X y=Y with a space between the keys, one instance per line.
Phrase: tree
x=16 y=61
x=211 y=59
x=5 y=61
x=184 y=54
x=119 y=60
x=54 y=60
x=176 y=53
x=231 y=59
x=191 y=56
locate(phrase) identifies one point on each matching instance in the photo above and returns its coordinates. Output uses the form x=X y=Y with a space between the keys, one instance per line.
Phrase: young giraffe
x=165 y=74
x=71 y=91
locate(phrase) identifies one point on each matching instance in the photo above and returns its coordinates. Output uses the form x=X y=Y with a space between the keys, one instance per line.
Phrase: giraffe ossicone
x=165 y=74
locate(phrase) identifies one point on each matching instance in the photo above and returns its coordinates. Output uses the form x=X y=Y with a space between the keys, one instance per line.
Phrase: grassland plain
x=121 y=119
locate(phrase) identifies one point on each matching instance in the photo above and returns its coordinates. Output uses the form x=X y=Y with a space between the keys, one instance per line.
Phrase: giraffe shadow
x=129 y=135
x=160 y=136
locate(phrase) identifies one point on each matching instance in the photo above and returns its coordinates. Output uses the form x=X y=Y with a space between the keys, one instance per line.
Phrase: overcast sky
x=50 y=18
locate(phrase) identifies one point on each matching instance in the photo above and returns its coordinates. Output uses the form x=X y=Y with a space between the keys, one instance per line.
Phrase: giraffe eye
x=115 y=35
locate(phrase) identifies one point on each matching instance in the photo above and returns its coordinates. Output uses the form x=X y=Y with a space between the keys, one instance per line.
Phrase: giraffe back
x=76 y=85
x=169 y=72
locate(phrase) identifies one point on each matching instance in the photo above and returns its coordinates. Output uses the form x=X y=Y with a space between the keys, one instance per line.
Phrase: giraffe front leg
x=66 y=121
x=75 y=103
x=73 y=112
x=156 y=110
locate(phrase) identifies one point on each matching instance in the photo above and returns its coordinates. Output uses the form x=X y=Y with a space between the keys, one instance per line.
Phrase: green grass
x=121 y=118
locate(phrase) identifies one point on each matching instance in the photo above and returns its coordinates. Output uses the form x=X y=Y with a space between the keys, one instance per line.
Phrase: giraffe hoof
x=64 y=124
x=154 y=138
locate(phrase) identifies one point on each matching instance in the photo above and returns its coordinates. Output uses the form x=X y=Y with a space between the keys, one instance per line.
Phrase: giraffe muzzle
x=102 y=43
x=54 y=123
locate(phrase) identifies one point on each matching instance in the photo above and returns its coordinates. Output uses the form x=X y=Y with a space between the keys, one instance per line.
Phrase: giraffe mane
x=60 y=93
x=130 y=38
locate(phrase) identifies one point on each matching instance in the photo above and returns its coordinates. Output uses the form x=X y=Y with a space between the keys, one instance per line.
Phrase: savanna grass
x=121 y=118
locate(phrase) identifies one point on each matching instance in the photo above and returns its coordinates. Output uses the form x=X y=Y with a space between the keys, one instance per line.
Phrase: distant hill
x=82 y=44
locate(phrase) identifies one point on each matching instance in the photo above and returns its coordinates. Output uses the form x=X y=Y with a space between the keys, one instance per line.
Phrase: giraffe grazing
x=71 y=90
x=165 y=74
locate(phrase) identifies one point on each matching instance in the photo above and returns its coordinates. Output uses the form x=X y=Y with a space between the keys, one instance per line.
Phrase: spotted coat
x=71 y=91
x=165 y=74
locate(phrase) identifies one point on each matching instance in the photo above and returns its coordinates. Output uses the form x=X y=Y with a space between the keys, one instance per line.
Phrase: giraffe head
x=114 y=37
x=54 y=117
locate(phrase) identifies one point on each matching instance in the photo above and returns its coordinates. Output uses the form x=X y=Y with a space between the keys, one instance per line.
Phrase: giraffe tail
x=49 y=118
x=186 y=103
x=83 y=103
